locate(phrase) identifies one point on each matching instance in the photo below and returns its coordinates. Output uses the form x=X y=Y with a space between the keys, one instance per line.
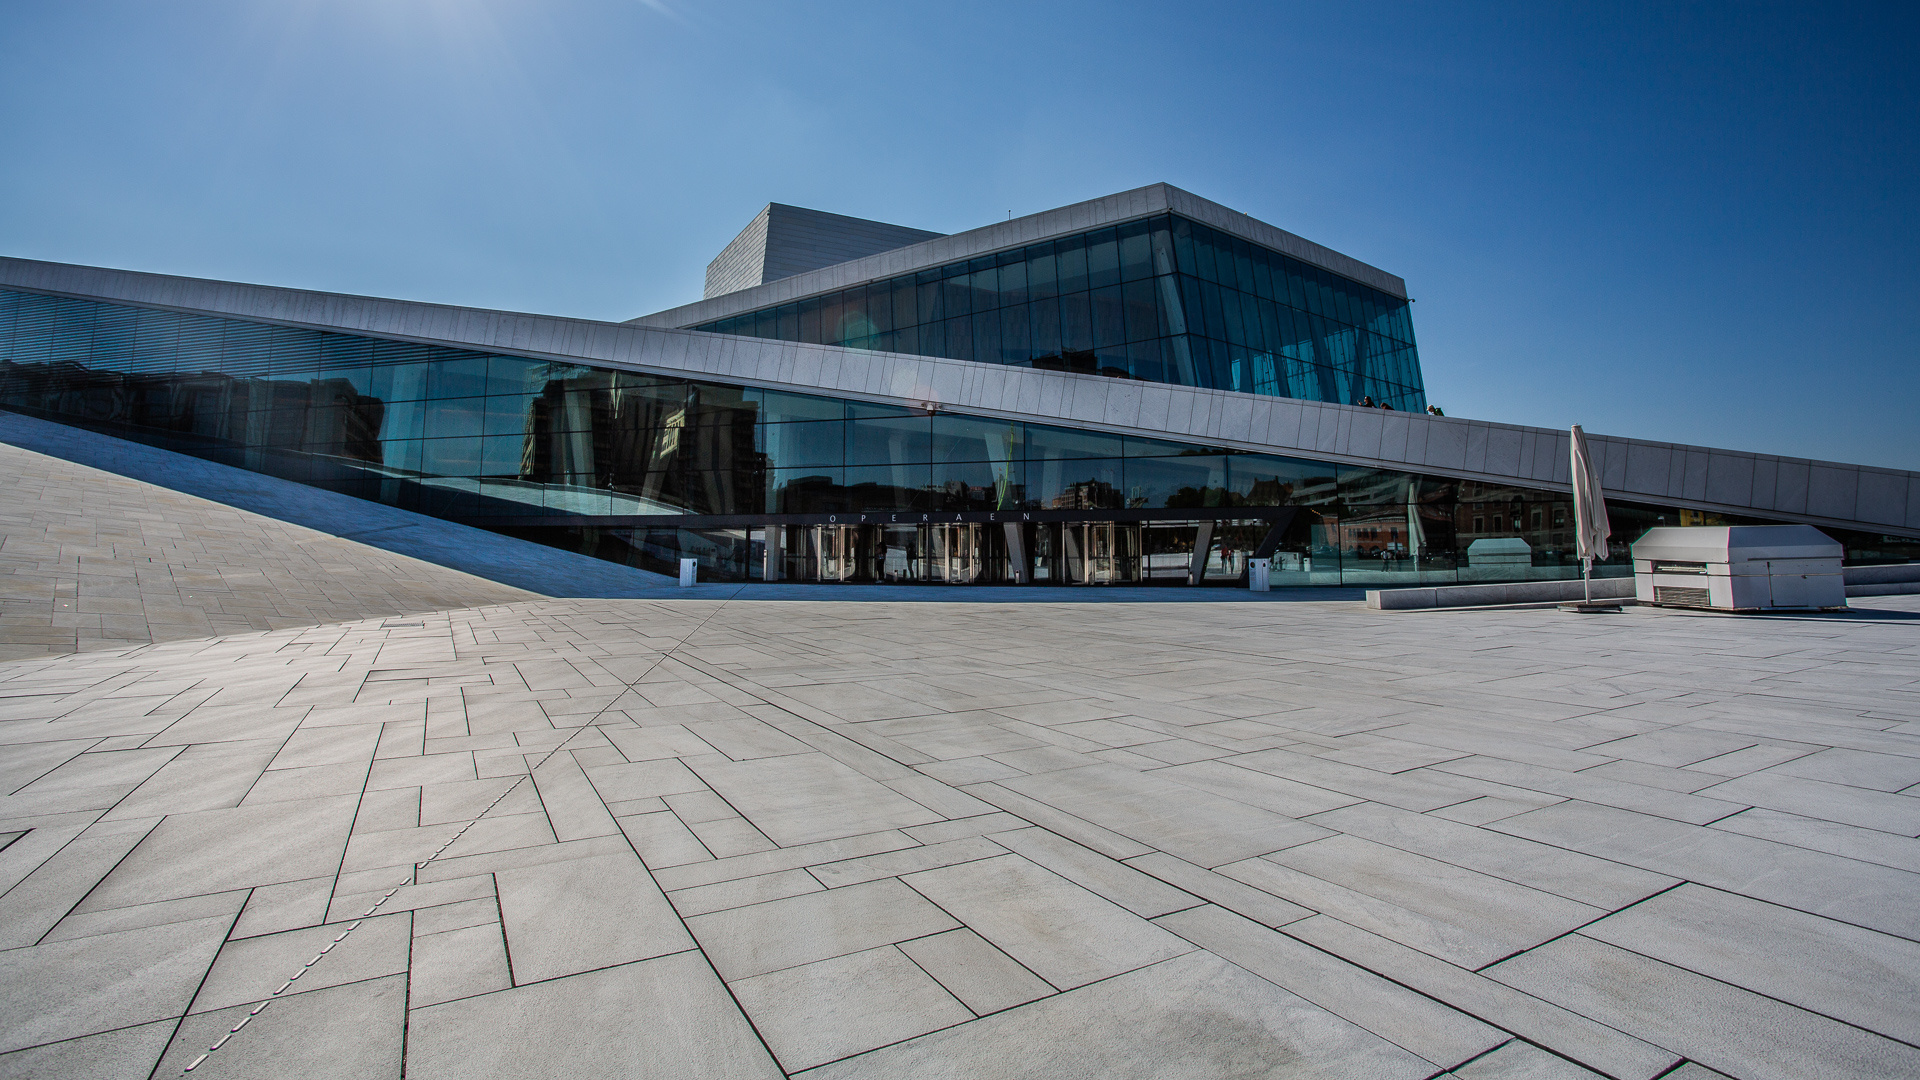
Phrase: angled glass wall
x=645 y=469
x=1163 y=299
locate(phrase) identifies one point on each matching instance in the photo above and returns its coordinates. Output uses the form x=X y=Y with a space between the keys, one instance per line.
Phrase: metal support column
x=1202 y=547
x=775 y=547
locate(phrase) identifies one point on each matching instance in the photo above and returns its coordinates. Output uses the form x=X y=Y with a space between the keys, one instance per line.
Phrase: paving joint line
x=414 y=871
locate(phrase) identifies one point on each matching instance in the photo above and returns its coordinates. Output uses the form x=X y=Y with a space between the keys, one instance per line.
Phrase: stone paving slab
x=852 y=839
x=93 y=559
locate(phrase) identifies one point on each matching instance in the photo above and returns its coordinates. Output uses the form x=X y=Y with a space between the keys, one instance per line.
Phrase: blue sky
x=1689 y=222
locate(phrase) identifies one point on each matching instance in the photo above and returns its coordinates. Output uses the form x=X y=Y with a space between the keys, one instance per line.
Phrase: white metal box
x=1739 y=568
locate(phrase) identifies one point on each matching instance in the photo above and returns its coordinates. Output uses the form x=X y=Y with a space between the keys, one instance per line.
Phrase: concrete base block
x=1519 y=592
x=1894 y=579
x=1891 y=588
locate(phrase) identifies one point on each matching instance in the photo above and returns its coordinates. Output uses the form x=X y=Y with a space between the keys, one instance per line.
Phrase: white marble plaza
x=736 y=838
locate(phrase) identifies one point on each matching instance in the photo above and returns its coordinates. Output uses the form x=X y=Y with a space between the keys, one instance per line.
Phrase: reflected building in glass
x=1146 y=389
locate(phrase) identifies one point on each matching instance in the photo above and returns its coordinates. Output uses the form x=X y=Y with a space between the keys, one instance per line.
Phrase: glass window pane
x=1136 y=250
x=1016 y=343
x=451 y=457
x=402 y=454
x=1186 y=261
x=1193 y=312
x=1109 y=318
x=1205 y=258
x=856 y=318
x=1179 y=482
x=1296 y=285
x=508 y=414
x=455 y=417
x=1072 y=255
x=1045 y=443
x=1263 y=273
x=904 y=303
x=400 y=382
x=1147 y=360
x=462 y=377
x=931 y=302
x=713 y=491
x=885 y=487
x=959 y=338
x=967 y=438
x=956 y=291
x=1216 y=319
x=1076 y=324
x=1043 y=320
x=973 y=485
x=985 y=283
x=1041 y=280
x=1142 y=313
x=803 y=445
x=1103 y=258
x=805 y=491
x=501 y=455
x=986 y=337
x=1260 y=480
x=713 y=405
x=1013 y=282
x=514 y=375
x=832 y=307
x=1273 y=339
x=933 y=339
x=887 y=439
x=777 y=406
x=1231 y=305
x=1138 y=447
x=1070 y=483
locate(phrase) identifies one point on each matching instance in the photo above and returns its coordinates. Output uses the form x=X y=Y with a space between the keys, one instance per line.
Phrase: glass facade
x=1163 y=299
x=645 y=469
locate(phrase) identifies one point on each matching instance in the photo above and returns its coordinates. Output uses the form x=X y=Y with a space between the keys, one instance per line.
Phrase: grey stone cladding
x=783 y=240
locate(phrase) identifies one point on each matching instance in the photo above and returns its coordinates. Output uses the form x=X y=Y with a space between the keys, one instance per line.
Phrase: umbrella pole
x=1586 y=578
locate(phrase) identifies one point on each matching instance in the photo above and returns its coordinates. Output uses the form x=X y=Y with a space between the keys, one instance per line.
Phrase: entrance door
x=898 y=553
x=830 y=553
x=954 y=553
x=1100 y=552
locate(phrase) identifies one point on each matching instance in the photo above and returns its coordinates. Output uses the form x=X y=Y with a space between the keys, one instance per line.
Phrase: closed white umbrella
x=1589 y=511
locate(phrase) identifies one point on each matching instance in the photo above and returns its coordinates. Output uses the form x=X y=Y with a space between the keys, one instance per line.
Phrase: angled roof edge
x=1019 y=232
x=789 y=239
x=1850 y=496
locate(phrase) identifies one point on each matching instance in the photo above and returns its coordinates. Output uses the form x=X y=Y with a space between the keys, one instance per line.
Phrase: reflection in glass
x=589 y=449
x=1162 y=299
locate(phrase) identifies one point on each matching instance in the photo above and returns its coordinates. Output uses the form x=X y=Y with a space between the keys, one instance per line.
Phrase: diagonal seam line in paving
x=751 y=687
x=1462 y=1008
x=1717 y=888
x=1602 y=917
x=414 y=870
x=1578 y=932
